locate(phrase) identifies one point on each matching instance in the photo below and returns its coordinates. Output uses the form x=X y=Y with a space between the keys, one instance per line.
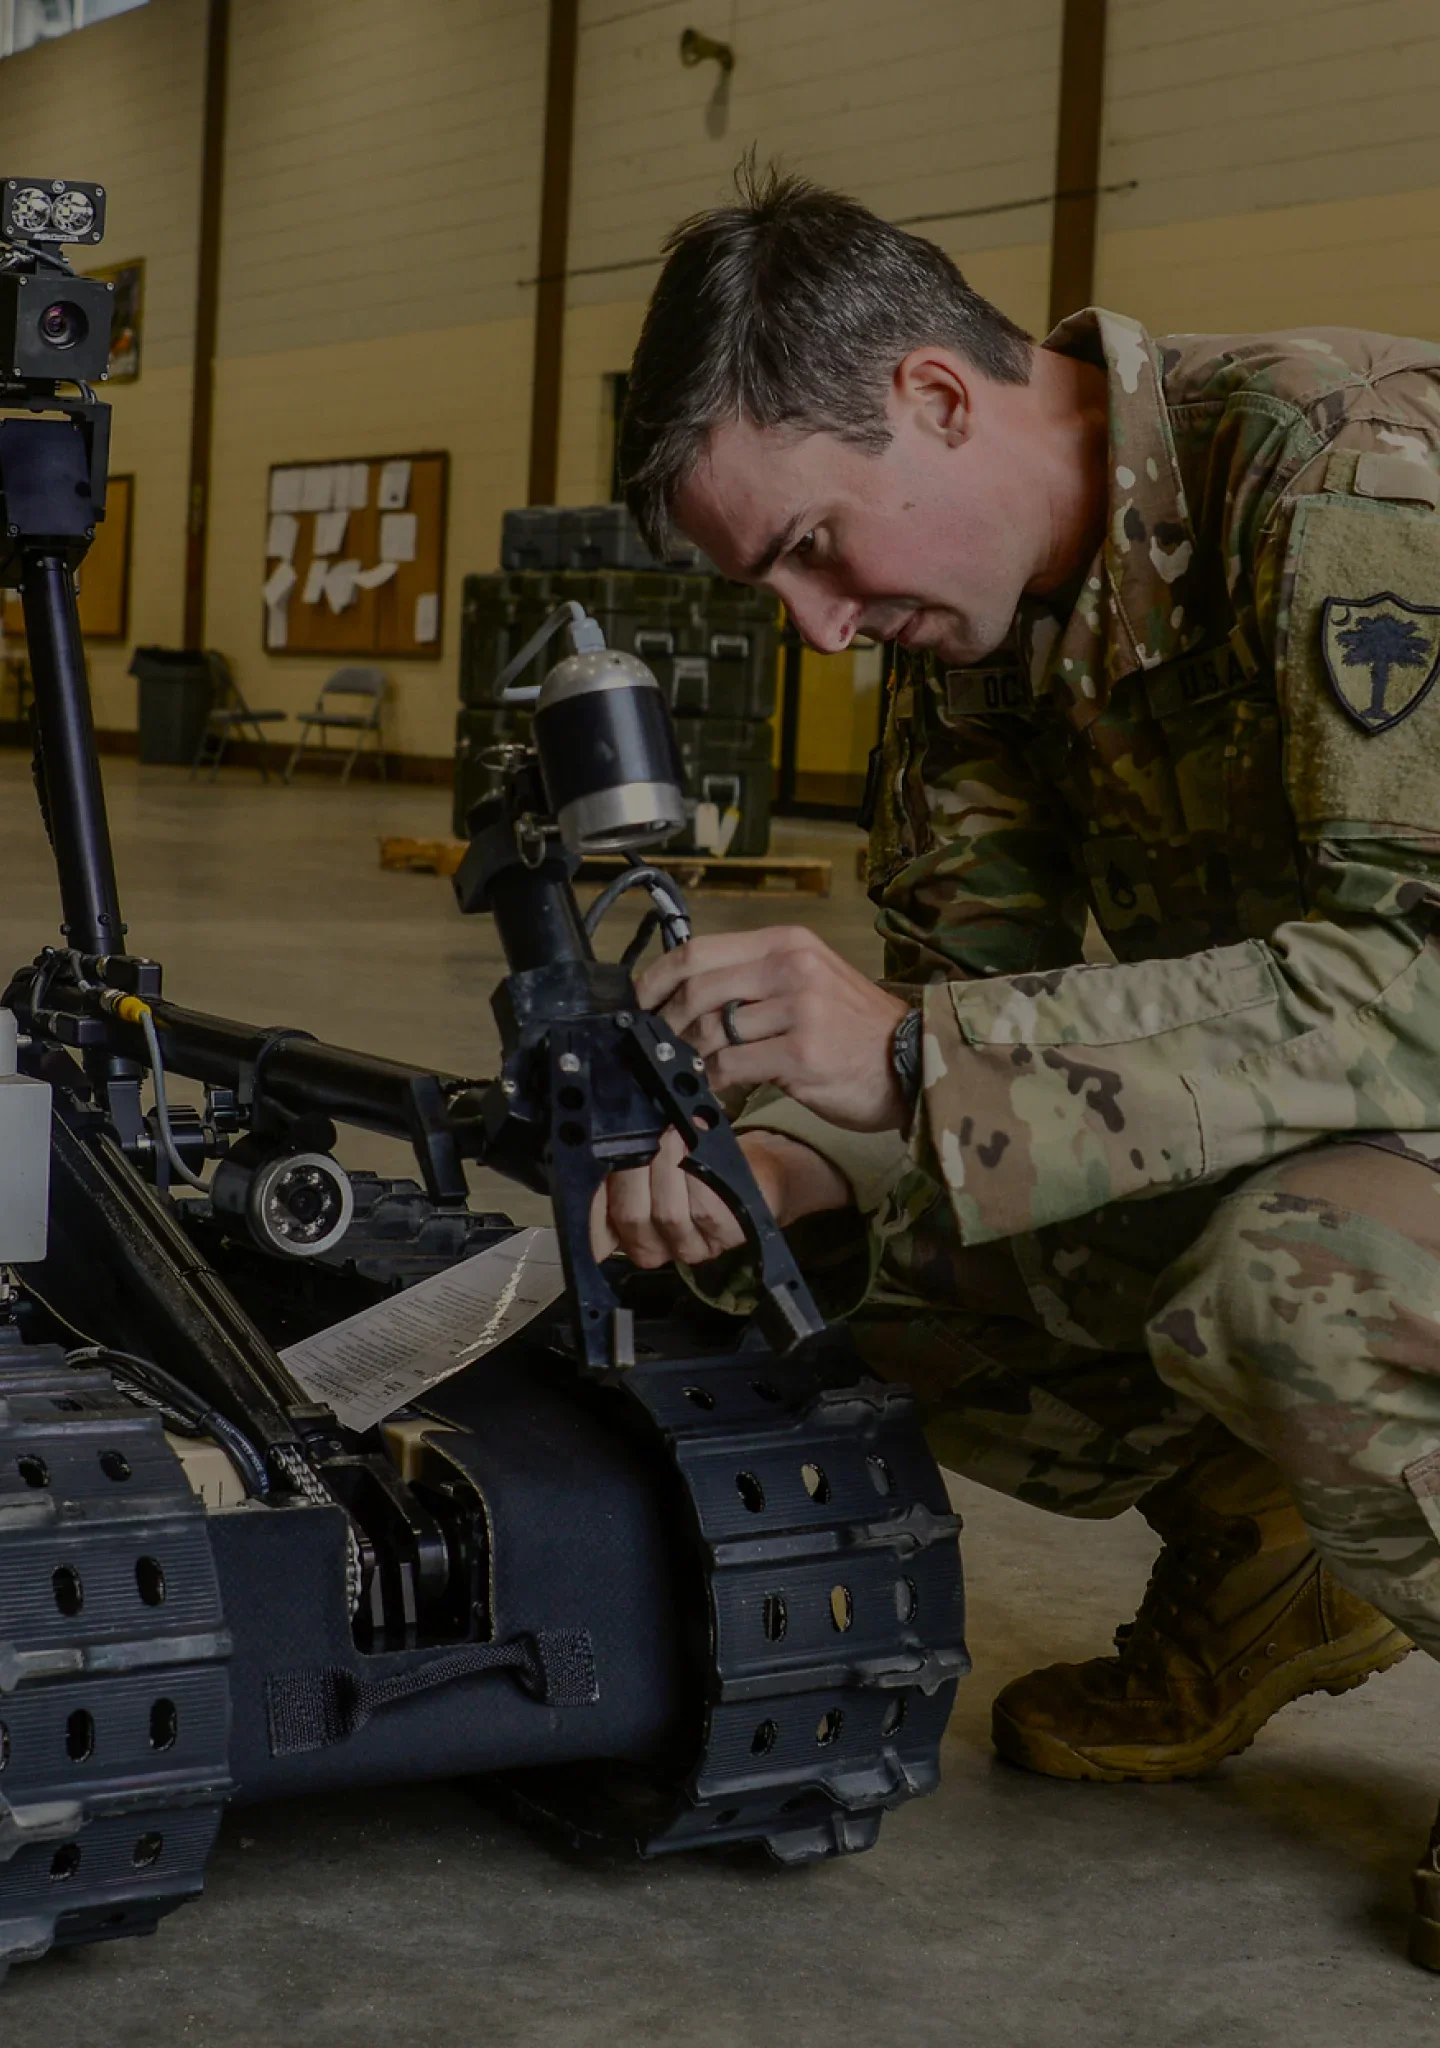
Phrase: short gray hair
x=790 y=308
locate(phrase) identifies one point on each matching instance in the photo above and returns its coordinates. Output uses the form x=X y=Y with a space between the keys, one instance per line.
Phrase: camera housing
x=54 y=325
x=299 y=1204
x=608 y=753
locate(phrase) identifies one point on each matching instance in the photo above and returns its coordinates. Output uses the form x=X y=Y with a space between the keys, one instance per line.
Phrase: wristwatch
x=905 y=1055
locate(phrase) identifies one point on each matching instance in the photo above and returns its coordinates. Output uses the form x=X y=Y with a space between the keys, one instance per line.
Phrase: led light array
x=51 y=210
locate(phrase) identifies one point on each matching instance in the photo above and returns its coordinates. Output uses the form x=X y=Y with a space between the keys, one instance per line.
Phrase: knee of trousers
x=1288 y=1302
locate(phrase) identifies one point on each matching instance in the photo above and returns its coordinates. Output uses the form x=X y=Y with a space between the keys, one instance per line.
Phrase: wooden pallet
x=743 y=874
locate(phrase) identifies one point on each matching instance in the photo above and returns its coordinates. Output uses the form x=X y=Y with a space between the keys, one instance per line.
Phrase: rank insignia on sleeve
x=1381 y=656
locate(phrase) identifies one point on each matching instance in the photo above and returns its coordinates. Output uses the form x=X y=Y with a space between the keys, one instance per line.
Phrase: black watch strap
x=905 y=1054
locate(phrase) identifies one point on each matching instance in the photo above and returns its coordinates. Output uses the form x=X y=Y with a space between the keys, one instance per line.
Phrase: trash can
x=177 y=688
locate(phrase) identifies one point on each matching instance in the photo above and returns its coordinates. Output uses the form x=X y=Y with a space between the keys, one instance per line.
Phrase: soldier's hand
x=810 y=1023
x=658 y=1213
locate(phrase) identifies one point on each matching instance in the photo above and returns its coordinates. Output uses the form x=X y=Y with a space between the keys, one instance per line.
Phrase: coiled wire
x=670 y=916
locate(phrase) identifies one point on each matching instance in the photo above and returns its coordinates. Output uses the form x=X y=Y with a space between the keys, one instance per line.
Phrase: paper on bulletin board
x=279 y=583
x=340 y=584
x=278 y=586
x=317 y=491
x=315 y=581
x=371 y=579
x=354 y=490
x=397 y=536
x=330 y=530
x=280 y=540
x=286 y=489
x=394 y=485
x=427 y=618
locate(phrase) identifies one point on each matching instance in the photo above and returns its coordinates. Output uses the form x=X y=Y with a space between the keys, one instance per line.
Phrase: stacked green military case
x=710 y=644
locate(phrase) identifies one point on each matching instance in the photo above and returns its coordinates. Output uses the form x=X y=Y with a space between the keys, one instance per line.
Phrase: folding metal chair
x=229 y=714
x=346 y=682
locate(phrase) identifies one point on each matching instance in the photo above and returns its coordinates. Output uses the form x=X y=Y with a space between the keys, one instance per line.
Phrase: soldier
x=1164 y=1231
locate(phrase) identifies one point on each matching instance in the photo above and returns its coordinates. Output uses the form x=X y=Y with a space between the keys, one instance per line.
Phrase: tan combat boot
x=1239 y=1618
x=1425 y=1922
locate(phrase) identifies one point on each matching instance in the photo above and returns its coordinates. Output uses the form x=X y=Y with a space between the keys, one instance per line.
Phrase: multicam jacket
x=1228 y=753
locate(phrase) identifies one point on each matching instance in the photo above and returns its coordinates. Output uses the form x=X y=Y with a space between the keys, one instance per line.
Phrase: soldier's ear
x=931 y=391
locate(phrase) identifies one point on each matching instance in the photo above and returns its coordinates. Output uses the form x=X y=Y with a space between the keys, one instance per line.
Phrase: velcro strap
x=308 y=1710
x=1197 y=678
x=985 y=691
x=1397 y=476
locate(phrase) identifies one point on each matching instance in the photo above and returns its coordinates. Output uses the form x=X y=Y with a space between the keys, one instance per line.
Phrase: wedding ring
x=727 y=1020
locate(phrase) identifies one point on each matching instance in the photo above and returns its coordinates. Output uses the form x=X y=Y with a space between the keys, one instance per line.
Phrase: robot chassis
x=671 y=1579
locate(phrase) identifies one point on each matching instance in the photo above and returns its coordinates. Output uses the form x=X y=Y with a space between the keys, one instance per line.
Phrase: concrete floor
x=1266 y=1905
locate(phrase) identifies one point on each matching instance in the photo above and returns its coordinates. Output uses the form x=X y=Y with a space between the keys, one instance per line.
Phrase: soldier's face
x=930 y=542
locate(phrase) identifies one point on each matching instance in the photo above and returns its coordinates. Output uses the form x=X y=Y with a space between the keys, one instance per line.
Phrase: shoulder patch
x=1381 y=656
x=1356 y=674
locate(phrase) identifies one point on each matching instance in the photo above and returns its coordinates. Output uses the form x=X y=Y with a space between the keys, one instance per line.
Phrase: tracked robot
x=668 y=1578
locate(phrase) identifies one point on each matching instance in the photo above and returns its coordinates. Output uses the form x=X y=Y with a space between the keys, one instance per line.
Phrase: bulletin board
x=355 y=557
x=104 y=575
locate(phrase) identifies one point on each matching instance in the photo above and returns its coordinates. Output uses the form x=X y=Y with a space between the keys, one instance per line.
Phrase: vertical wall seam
x=549 y=352
x=207 y=307
x=1077 y=157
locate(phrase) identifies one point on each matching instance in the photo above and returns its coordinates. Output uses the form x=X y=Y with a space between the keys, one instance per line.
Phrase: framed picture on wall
x=126 y=317
x=103 y=581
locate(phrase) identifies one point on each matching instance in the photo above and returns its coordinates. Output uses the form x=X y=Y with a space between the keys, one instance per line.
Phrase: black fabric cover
x=587 y=1541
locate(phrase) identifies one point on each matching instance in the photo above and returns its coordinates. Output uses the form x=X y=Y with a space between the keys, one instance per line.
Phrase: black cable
x=164 y=1390
x=671 y=910
x=649 y=924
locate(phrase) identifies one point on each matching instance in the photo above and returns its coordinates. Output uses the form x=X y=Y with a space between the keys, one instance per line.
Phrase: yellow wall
x=916 y=106
x=1282 y=164
x=1239 y=105
x=599 y=340
x=839 y=720
x=151 y=440
x=465 y=389
x=382 y=169
x=381 y=210
x=122 y=103
x=1371 y=262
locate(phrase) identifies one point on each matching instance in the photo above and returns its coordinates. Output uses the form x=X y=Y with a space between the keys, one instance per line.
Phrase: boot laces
x=1180 y=1578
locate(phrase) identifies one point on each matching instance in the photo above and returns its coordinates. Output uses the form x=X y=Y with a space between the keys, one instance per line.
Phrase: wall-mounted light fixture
x=696 y=48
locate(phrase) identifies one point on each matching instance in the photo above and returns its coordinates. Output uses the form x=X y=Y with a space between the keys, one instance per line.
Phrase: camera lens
x=309 y=1198
x=63 y=325
x=298 y=1204
x=74 y=213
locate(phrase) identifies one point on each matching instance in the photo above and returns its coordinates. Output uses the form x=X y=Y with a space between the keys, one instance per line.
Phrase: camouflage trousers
x=1303 y=1313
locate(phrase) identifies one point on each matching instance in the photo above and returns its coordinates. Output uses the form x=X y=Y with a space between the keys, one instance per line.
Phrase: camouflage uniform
x=1200 y=1181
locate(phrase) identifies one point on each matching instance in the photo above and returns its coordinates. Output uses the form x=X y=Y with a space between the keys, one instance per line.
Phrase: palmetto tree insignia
x=1382 y=643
